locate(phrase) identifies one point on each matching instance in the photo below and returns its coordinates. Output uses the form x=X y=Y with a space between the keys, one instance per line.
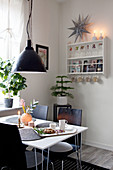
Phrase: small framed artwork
x=43 y=52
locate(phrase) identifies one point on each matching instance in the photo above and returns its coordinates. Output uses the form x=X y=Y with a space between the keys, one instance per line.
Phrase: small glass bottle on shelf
x=82 y=50
x=94 y=49
x=77 y=51
x=70 y=51
x=100 y=45
x=87 y=50
x=85 y=66
x=101 y=37
x=94 y=36
x=99 y=66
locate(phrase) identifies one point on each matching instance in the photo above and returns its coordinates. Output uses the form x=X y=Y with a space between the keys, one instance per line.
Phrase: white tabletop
x=46 y=142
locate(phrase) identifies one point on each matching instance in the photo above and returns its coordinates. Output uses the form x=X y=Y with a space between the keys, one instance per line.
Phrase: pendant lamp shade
x=28 y=61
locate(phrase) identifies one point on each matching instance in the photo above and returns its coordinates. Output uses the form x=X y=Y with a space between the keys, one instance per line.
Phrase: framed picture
x=43 y=52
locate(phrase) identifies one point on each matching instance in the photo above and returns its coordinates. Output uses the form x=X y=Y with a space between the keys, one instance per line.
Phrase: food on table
x=40 y=131
x=49 y=131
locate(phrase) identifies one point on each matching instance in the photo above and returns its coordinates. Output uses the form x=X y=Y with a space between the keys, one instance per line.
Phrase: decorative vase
x=25 y=118
x=61 y=100
x=8 y=102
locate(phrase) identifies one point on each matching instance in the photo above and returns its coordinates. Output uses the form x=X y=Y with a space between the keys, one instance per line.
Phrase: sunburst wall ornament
x=80 y=27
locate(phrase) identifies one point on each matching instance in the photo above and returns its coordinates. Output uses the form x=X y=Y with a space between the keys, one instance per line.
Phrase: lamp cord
x=27 y=29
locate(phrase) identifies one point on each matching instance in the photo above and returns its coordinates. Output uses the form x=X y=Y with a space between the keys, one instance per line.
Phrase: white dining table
x=47 y=142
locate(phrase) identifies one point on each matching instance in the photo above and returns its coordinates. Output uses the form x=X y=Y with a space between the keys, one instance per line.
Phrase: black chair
x=63 y=149
x=74 y=117
x=12 y=151
x=40 y=112
x=13 y=154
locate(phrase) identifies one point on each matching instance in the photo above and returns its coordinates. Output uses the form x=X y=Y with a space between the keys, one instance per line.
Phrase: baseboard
x=98 y=145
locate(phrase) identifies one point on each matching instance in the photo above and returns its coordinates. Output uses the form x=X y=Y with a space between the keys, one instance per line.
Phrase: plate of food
x=46 y=132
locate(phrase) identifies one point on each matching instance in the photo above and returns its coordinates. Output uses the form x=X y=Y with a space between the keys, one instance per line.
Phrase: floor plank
x=97 y=156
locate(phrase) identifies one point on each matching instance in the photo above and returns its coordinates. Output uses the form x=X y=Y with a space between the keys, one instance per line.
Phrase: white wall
x=45 y=32
x=96 y=100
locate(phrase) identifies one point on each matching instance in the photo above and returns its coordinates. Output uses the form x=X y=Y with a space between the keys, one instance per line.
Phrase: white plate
x=14 y=120
x=69 y=128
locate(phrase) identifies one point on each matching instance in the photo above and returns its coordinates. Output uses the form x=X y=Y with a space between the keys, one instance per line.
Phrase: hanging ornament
x=80 y=27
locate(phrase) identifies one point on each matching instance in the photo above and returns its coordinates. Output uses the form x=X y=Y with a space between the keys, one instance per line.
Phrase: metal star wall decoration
x=80 y=27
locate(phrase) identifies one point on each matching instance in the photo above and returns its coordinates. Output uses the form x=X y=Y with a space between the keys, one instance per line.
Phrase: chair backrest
x=40 y=112
x=12 y=153
x=74 y=117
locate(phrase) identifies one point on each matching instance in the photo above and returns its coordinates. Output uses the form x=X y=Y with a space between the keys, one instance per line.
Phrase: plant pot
x=8 y=102
x=61 y=100
x=25 y=118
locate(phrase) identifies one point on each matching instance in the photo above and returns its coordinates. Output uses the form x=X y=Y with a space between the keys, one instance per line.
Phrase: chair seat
x=61 y=147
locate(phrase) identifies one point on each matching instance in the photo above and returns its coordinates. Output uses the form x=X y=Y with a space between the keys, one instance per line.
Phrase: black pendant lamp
x=28 y=60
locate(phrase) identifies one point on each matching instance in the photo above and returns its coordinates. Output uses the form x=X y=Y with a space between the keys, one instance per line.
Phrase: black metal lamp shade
x=28 y=61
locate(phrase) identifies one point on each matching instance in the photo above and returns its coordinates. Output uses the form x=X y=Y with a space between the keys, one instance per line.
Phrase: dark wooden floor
x=97 y=156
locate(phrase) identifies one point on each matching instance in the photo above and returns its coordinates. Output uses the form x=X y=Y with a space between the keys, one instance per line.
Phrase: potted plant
x=60 y=90
x=11 y=83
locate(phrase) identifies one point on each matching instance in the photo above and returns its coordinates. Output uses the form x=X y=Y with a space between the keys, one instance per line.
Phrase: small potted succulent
x=10 y=83
x=60 y=90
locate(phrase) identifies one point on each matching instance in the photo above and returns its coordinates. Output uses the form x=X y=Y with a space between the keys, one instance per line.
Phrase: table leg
x=76 y=142
x=80 y=150
x=42 y=159
x=36 y=158
x=48 y=159
x=79 y=157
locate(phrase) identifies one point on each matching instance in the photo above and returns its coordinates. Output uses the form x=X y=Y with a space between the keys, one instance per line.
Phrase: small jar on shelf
x=94 y=49
x=85 y=66
x=88 y=79
x=70 y=51
x=76 y=51
x=87 y=50
x=95 y=79
x=78 y=68
x=99 y=65
x=82 y=50
x=80 y=79
x=100 y=46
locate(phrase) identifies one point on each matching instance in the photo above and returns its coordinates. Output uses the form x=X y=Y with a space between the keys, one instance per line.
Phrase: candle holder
x=101 y=37
x=19 y=122
x=94 y=36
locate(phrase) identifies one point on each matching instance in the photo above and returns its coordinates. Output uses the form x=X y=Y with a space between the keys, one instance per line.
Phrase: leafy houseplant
x=11 y=83
x=61 y=88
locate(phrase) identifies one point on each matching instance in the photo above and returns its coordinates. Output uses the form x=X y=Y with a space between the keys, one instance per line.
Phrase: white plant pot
x=61 y=100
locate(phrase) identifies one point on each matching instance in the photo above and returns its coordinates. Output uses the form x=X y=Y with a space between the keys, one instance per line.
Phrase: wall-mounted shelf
x=86 y=58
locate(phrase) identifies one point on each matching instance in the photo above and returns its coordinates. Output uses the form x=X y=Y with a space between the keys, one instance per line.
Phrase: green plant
x=61 y=88
x=11 y=83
